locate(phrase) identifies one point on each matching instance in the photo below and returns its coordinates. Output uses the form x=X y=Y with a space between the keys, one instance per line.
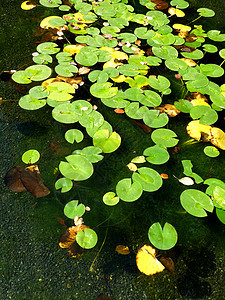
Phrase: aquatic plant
x=120 y=56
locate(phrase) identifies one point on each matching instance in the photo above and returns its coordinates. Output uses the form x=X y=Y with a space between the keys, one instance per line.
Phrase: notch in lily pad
x=106 y=142
x=65 y=184
x=162 y=238
x=164 y=137
x=110 y=199
x=72 y=209
x=128 y=191
x=74 y=135
x=31 y=156
x=32 y=73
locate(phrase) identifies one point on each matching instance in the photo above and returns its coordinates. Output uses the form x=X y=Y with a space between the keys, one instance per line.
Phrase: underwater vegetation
x=149 y=66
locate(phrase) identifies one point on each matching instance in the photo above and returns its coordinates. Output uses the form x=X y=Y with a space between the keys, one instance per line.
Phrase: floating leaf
x=76 y=168
x=206 y=12
x=132 y=167
x=138 y=159
x=20 y=179
x=48 y=48
x=27 y=5
x=121 y=249
x=187 y=165
x=66 y=69
x=155 y=119
x=64 y=184
x=149 y=179
x=217 y=137
x=160 y=83
x=30 y=103
x=163 y=239
x=91 y=153
x=179 y=3
x=52 y=3
x=211 y=70
x=213 y=182
x=128 y=191
x=73 y=135
x=60 y=91
x=110 y=199
x=87 y=239
x=215 y=35
x=65 y=113
x=72 y=209
x=206 y=114
x=196 y=202
x=156 y=155
x=134 y=111
x=221 y=215
x=108 y=143
x=103 y=90
x=147 y=262
x=30 y=156
x=219 y=196
x=164 y=137
x=197 y=130
x=211 y=151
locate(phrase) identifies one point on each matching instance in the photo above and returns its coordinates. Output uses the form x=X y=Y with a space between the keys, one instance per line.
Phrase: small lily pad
x=92 y=153
x=219 y=196
x=73 y=135
x=128 y=191
x=163 y=239
x=221 y=215
x=52 y=3
x=48 y=48
x=156 y=155
x=72 y=209
x=66 y=69
x=108 y=143
x=196 y=202
x=206 y=114
x=65 y=184
x=153 y=118
x=30 y=156
x=103 y=90
x=211 y=151
x=149 y=179
x=206 y=12
x=65 y=113
x=164 y=137
x=30 y=103
x=87 y=239
x=110 y=199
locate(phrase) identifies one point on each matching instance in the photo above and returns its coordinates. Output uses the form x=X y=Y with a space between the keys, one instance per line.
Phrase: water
x=33 y=266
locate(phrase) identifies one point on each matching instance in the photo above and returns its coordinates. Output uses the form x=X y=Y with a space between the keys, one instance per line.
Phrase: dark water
x=32 y=264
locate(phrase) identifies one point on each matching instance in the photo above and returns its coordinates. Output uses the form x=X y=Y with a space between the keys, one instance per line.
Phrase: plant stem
x=222 y=62
x=91 y=267
x=195 y=20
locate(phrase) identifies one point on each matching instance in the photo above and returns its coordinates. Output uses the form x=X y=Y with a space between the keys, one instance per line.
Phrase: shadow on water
x=33 y=266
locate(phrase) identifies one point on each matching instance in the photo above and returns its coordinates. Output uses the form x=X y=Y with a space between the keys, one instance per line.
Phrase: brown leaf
x=169 y=109
x=121 y=249
x=119 y=111
x=83 y=70
x=168 y=264
x=164 y=176
x=160 y=5
x=20 y=179
x=104 y=297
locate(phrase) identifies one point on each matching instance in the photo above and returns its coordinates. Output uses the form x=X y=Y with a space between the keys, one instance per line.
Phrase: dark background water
x=32 y=264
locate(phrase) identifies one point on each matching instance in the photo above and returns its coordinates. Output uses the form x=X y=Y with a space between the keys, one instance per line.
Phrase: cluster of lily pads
x=120 y=56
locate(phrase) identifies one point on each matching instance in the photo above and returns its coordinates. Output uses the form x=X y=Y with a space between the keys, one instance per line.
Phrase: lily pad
x=30 y=156
x=134 y=111
x=163 y=239
x=65 y=113
x=156 y=155
x=211 y=70
x=183 y=105
x=153 y=118
x=210 y=48
x=128 y=191
x=206 y=12
x=65 y=184
x=92 y=130
x=38 y=92
x=48 y=48
x=72 y=209
x=76 y=168
x=149 y=179
x=196 y=202
x=110 y=199
x=39 y=72
x=118 y=101
x=165 y=52
x=215 y=35
x=196 y=54
x=73 y=135
x=86 y=57
x=93 y=119
x=42 y=59
x=87 y=239
x=179 y=3
x=164 y=137
x=30 y=103
x=206 y=114
x=211 y=151
x=66 y=69
x=92 y=153
x=103 y=90
x=106 y=142
x=160 y=83
x=52 y=3
x=212 y=183
x=60 y=91
x=151 y=99
x=219 y=196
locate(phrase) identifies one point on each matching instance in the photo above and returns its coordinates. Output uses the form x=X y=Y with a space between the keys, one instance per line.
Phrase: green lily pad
x=48 y=48
x=106 y=142
x=118 y=101
x=196 y=202
x=175 y=64
x=30 y=156
x=133 y=93
x=103 y=90
x=151 y=99
x=164 y=137
x=77 y=168
x=42 y=59
x=22 y=77
x=153 y=118
x=91 y=153
x=93 y=119
x=134 y=111
x=182 y=4
x=66 y=69
x=215 y=35
x=60 y=91
x=73 y=135
x=57 y=22
x=30 y=103
x=183 y=105
x=127 y=37
x=211 y=151
x=153 y=61
x=165 y=52
x=128 y=70
x=212 y=183
x=38 y=92
x=159 y=83
x=222 y=53
x=156 y=155
x=149 y=179
x=163 y=239
x=39 y=72
x=64 y=7
x=206 y=12
x=112 y=30
x=87 y=239
x=187 y=165
x=219 y=196
x=86 y=57
x=196 y=54
x=196 y=80
x=221 y=215
x=52 y=3
x=110 y=199
x=65 y=184
x=209 y=48
x=128 y=191
x=72 y=209
x=206 y=114
x=65 y=113
x=218 y=99
x=92 y=130
x=211 y=70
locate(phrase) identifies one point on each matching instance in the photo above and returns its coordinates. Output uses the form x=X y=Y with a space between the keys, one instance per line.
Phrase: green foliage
x=72 y=209
x=87 y=239
x=30 y=156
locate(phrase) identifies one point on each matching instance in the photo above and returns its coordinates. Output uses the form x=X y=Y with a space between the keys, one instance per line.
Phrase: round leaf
x=156 y=155
x=110 y=199
x=211 y=151
x=128 y=191
x=163 y=239
x=74 y=135
x=164 y=137
x=108 y=143
x=87 y=239
x=149 y=179
x=64 y=184
x=30 y=156
x=153 y=118
x=196 y=202
x=48 y=48
x=72 y=209
x=30 y=103
x=103 y=90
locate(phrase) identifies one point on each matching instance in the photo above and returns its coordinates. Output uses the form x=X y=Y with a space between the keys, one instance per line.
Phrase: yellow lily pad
x=217 y=137
x=181 y=27
x=197 y=130
x=45 y=22
x=73 y=49
x=28 y=5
